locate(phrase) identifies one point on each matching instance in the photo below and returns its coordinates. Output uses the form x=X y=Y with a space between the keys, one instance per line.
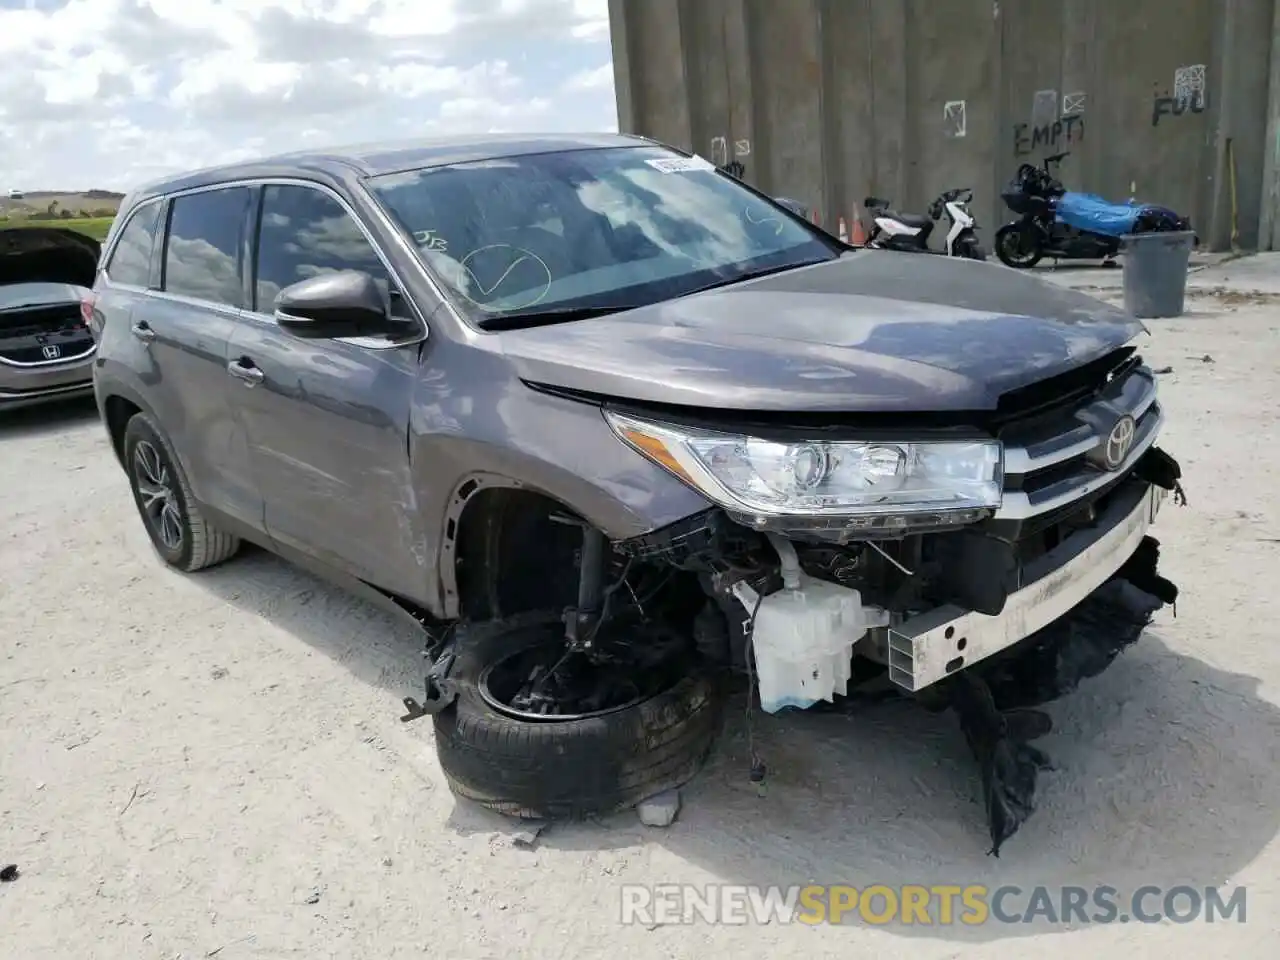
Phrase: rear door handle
x=243 y=369
x=142 y=331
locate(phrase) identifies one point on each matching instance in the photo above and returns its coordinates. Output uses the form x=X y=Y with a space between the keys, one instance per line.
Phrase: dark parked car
x=46 y=349
x=612 y=425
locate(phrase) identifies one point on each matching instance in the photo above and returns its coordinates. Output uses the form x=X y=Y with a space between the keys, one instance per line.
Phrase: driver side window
x=304 y=232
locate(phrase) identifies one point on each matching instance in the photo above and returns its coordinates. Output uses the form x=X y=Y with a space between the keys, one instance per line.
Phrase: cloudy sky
x=107 y=93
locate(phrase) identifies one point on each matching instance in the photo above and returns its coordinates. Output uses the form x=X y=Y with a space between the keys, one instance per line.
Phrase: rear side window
x=202 y=255
x=131 y=259
x=303 y=233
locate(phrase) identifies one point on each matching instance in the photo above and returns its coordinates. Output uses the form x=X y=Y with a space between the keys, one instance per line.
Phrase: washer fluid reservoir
x=803 y=639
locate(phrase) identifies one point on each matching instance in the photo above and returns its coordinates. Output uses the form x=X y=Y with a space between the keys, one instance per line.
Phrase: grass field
x=95 y=227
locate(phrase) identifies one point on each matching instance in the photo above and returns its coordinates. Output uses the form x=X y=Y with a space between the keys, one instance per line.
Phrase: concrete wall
x=828 y=101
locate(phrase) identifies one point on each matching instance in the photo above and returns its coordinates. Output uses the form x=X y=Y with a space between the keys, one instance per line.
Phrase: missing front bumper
x=935 y=645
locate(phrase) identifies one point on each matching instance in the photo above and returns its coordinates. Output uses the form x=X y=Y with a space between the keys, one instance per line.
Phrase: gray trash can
x=1155 y=273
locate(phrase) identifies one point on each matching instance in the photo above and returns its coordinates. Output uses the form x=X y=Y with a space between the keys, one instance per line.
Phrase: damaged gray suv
x=619 y=432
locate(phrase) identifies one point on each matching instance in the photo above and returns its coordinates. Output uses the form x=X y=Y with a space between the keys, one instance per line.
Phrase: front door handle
x=243 y=369
x=142 y=331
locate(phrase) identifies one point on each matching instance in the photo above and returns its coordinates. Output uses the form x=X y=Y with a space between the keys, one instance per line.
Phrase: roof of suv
x=366 y=160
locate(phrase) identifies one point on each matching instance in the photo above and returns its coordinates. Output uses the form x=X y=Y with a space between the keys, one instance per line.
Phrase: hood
x=20 y=296
x=47 y=256
x=872 y=331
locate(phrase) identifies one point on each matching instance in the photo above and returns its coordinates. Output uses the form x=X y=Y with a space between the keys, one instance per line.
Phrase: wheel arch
x=547 y=454
x=489 y=519
x=118 y=401
x=117 y=405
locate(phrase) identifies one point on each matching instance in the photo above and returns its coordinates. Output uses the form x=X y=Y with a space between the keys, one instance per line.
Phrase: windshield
x=552 y=233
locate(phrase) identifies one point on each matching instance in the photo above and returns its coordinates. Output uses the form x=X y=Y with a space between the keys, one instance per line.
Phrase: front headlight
x=821 y=478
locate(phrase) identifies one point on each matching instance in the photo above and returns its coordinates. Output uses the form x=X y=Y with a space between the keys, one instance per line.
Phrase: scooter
x=909 y=232
x=1054 y=222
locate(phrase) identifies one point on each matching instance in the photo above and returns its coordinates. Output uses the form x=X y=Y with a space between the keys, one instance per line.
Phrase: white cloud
x=106 y=93
x=600 y=78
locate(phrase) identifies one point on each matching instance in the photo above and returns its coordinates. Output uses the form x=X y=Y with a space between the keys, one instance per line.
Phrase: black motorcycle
x=1051 y=220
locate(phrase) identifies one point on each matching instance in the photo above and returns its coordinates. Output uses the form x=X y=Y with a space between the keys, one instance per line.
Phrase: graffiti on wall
x=719 y=151
x=1056 y=136
x=1044 y=107
x=1053 y=127
x=720 y=156
x=1073 y=103
x=1188 y=95
x=1189 y=82
x=954 y=121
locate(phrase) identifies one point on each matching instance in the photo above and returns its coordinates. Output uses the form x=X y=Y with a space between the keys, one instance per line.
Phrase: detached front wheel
x=1018 y=247
x=625 y=736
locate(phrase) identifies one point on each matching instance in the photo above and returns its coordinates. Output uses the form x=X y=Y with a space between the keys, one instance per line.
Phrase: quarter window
x=131 y=259
x=304 y=233
x=202 y=253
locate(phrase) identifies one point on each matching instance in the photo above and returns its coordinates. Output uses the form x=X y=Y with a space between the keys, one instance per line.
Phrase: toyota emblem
x=1119 y=442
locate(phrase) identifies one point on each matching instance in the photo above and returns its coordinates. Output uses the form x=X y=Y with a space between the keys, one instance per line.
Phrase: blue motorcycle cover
x=1088 y=211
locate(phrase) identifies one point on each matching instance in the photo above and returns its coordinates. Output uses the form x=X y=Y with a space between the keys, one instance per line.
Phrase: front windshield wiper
x=519 y=320
x=522 y=319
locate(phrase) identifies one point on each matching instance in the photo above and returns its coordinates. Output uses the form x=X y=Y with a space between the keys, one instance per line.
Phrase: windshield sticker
x=681 y=164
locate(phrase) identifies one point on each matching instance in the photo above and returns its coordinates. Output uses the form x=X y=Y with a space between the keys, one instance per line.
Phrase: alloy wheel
x=159 y=501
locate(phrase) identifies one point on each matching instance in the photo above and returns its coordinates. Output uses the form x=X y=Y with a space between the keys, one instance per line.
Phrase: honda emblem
x=51 y=351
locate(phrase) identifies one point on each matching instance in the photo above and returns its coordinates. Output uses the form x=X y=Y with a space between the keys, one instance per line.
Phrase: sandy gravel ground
x=213 y=765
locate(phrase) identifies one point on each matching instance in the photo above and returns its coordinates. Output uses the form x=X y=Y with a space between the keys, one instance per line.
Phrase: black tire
x=566 y=769
x=1011 y=245
x=968 y=248
x=199 y=543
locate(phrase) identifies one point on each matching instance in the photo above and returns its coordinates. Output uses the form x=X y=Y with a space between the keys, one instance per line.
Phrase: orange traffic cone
x=859 y=237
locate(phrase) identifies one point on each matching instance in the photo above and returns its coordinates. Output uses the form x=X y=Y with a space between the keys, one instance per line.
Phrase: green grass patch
x=95 y=227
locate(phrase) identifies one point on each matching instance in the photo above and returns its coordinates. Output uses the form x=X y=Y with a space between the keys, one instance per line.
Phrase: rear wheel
x=178 y=530
x=506 y=745
x=1017 y=247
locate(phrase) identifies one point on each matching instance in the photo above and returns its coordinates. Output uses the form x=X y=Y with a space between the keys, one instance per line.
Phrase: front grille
x=1056 y=456
x=979 y=567
x=43 y=336
x=1027 y=405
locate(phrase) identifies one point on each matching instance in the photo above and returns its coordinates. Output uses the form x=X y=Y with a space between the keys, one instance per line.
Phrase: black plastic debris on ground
x=994 y=702
x=9 y=874
x=1008 y=762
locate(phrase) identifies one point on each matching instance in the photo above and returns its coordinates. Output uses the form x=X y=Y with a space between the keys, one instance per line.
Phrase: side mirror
x=348 y=303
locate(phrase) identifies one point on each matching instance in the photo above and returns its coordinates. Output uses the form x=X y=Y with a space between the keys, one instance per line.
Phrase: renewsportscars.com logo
x=919 y=905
